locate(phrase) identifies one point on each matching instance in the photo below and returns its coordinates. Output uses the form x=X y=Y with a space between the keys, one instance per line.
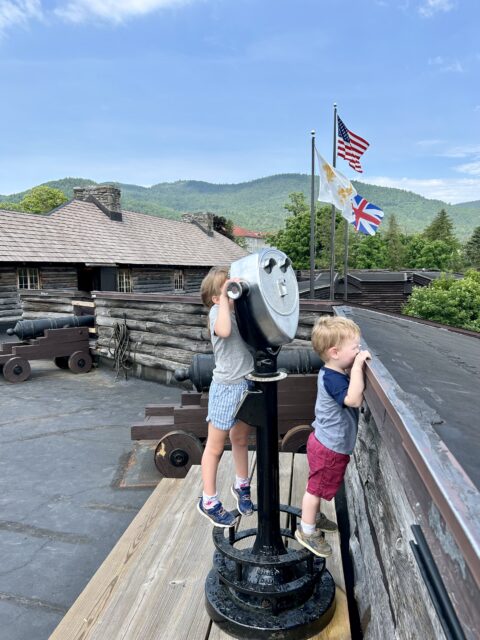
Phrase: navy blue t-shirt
x=335 y=424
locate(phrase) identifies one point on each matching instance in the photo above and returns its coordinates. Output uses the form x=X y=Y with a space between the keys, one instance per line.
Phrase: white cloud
x=471 y=168
x=18 y=12
x=428 y=143
x=450 y=190
x=461 y=152
x=112 y=10
x=454 y=66
x=431 y=7
x=446 y=65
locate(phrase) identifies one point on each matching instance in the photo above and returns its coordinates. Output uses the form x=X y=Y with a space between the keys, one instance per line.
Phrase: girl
x=233 y=361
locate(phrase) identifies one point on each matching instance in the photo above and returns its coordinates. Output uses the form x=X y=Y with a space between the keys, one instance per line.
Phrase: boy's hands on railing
x=360 y=359
x=354 y=397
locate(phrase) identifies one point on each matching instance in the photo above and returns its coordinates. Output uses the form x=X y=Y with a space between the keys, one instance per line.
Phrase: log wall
x=385 y=296
x=392 y=599
x=10 y=307
x=54 y=303
x=160 y=279
x=165 y=330
x=381 y=295
x=61 y=277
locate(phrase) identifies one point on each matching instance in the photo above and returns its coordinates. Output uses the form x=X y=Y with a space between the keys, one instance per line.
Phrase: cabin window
x=28 y=278
x=124 y=281
x=178 y=280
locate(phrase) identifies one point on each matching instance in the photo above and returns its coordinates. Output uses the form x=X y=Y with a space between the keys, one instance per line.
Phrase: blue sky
x=148 y=91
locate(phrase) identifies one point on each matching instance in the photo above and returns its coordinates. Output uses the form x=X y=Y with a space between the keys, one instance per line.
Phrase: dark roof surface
x=80 y=232
x=440 y=367
x=322 y=280
x=434 y=275
x=379 y=276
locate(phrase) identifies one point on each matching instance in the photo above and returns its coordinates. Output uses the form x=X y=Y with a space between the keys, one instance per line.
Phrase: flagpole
x=345 y=265
x=312 y=221
x=332 y=226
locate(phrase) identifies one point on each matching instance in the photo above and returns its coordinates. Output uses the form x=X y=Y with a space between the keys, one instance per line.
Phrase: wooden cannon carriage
x=181 y=430
x=68 y=346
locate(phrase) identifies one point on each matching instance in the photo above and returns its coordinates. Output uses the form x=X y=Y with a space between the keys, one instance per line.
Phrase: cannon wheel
x=295 y=440
x=61 y=362
x=16 y=369
x=176 y=452
x=80 y=362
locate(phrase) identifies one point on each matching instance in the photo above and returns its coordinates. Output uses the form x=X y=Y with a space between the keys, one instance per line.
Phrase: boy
x=339 y=396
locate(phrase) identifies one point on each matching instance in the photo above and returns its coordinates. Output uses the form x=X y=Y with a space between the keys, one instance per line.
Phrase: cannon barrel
x=25 y=329
x=299 y=360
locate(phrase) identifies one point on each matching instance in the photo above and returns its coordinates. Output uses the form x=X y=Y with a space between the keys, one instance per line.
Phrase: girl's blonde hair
x=212 y=284
x=332 y=331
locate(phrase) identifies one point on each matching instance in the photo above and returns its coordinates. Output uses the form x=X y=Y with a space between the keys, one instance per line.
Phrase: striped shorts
x=223 y=400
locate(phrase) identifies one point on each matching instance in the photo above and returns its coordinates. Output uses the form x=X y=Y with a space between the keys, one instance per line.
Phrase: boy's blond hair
x=332 y=331
x=212 y=284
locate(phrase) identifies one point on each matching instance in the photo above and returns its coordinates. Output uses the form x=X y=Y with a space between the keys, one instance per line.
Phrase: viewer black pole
x=312 y=221
x=268 y=541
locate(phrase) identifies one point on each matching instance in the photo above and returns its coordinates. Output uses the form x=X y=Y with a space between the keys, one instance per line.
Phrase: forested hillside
x=259 y=204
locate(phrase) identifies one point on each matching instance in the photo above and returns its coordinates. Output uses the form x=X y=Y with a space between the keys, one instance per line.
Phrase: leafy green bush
x=449 y=301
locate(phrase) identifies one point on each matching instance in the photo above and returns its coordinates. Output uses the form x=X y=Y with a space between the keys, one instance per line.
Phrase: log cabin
x=91 y=243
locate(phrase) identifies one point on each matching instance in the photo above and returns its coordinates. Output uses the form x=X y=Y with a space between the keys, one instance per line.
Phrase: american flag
x=366 y=216
x=350 y=146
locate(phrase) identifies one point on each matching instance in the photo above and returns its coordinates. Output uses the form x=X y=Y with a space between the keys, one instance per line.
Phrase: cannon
x=181 y=429
x=65 y=340
x=25 y=329
x=296 y=361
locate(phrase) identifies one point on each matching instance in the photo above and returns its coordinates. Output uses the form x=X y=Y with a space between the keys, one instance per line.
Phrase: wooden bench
x=151 y=586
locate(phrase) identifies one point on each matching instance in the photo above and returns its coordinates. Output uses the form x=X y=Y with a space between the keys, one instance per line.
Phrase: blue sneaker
x=244 y=502
x=218 y=515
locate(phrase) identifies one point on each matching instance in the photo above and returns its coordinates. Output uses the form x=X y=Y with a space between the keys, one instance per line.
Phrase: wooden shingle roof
x=80 y=232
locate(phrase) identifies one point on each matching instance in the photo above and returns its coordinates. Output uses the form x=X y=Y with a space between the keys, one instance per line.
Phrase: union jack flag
x=365 y=216
x=350 y=146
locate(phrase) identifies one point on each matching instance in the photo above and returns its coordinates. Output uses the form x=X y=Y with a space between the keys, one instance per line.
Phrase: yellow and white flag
x=335 y=188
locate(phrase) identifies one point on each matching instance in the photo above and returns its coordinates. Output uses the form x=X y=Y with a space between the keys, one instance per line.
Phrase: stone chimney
x=105 y=196
x=203 y=219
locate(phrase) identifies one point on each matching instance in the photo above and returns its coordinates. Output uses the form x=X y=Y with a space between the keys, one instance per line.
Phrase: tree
x=368 y=252
x=394 y=244
x=223 y=226
x=450 y=301
x=11 y=206
x=294 y=239
x=421 y=253
x=42 y=199
x=441 y=228
x=38 y=200
x=472 y=249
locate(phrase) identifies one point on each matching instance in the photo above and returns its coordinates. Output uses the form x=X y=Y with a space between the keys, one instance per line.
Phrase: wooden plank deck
x=151 y=586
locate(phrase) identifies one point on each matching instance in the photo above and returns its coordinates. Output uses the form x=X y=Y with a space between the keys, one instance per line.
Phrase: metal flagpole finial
x=334 y=105
x=312 y=132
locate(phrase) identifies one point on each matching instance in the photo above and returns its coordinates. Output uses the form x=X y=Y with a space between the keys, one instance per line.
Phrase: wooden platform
x=148 y=588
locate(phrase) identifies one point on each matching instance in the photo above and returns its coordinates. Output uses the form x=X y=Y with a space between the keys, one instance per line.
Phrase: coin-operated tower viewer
x=268 y=590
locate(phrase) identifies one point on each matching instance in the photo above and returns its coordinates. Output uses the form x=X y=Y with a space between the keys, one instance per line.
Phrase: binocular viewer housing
x=266 y=298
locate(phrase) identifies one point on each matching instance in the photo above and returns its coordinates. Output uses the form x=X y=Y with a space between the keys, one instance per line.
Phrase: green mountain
x=259 y=204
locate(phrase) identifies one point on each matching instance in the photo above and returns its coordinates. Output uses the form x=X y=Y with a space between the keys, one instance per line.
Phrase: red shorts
x=326 y=469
